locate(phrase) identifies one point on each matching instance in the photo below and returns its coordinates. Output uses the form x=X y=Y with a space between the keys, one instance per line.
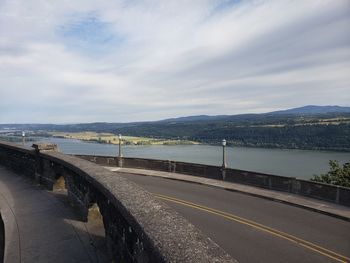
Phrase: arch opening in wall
x=97 y=233
x=60 y=184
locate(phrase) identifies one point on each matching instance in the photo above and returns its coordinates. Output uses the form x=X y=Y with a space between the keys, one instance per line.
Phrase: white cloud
x=80 y=61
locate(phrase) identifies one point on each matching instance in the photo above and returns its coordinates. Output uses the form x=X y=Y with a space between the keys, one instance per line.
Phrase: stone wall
x=138 y=228
x=2 y=239
x=330 y=193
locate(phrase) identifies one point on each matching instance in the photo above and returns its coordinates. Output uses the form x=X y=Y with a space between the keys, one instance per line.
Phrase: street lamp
x=120 y=146
x=120 y=156
x=224 y=165
x=23 y=137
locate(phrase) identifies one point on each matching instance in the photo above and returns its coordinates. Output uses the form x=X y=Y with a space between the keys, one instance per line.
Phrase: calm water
x=295 y=163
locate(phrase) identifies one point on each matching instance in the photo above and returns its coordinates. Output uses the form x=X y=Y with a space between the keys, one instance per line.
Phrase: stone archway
x=59 y=184
x=96 y=229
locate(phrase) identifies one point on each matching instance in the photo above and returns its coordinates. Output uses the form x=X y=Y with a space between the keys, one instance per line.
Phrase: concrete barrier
x=326 y=192
x=138 y=227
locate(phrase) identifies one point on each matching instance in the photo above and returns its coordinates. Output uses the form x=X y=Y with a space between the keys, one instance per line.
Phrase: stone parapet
x=138 y=227
x=321 y=191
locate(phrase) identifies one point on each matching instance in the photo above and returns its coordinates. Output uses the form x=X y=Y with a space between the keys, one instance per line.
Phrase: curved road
x=253 y=229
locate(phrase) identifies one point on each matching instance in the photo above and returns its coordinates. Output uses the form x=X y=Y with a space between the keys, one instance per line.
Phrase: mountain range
x=305 y=110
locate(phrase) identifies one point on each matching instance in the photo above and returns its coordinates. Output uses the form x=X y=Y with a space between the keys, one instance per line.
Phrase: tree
x=337 y=175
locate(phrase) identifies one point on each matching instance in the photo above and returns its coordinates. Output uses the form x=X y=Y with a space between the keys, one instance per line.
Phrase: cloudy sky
x=131 y=60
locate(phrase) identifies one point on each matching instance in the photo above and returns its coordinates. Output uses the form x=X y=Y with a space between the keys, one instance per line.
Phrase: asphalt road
x=253 y=229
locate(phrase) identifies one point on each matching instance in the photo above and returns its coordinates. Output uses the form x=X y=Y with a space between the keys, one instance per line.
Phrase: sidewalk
x=41 y=226
x=319 y=206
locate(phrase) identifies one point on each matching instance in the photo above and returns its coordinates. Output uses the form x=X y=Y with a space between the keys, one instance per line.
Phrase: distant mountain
x=309 y=109
x=196 y=118
x=313 y=109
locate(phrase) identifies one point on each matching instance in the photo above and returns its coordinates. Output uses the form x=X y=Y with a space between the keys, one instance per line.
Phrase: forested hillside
x=325 y=131
x=294 y=133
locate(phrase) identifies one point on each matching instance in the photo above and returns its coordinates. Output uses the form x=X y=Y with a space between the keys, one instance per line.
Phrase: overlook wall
x=326 y=192
x=138 y=228
x=2 y=239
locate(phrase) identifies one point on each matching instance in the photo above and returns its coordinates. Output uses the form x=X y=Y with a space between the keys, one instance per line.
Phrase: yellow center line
x=316 y=248
x=256 y=224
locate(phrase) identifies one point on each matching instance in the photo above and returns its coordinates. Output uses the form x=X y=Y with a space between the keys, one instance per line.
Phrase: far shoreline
x=112 y=139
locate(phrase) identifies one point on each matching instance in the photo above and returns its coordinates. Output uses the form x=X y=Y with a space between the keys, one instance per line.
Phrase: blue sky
x=121 y=61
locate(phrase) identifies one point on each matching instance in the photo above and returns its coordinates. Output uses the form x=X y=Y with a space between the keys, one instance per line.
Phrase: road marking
x=316 y=248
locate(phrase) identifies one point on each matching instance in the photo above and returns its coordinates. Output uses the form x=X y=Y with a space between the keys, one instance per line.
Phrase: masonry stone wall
x=138 y=228
x=326 y=192
x=2 y=239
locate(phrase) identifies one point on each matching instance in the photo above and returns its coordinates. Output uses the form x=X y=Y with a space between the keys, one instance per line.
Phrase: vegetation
x=326 y=131
x=268 y=132
x=113 y=139
x=337 y=175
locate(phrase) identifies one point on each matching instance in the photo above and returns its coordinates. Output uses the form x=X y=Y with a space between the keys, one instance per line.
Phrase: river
x=294 y=163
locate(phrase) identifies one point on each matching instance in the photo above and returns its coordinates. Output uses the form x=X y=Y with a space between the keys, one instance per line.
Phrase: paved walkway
x=41 y=226
x=331 y=209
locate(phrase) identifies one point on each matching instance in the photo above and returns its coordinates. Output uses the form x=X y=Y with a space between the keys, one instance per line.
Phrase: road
x=253 y=229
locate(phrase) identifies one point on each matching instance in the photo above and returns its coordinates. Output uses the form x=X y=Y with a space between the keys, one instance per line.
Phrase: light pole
x=120 y=156
x=23 y=137
x=120 y=146
x=224 y=165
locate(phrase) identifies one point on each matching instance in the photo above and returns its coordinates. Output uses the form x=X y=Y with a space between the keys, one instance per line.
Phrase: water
x=294 y=163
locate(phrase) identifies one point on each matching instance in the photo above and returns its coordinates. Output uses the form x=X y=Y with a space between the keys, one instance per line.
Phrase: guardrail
x=138 y=227
x=326 y=192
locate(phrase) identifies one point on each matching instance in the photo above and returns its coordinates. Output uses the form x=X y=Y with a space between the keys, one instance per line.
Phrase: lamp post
x=120 y=156
x=120 y=145
x=224 y=165
x=23 y=137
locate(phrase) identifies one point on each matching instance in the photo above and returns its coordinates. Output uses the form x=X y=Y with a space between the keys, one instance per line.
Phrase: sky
x=121 y=61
